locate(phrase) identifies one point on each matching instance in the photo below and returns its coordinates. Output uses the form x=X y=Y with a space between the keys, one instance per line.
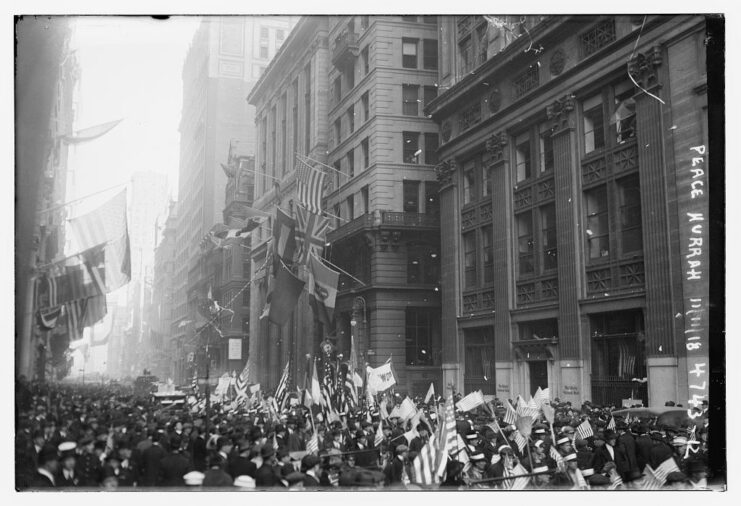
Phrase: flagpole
x=342 y=270
x=330 y=215
x=299 y=156
x=60 y=206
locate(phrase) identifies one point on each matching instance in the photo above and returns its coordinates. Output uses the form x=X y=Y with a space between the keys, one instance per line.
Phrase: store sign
x=235 y=349
x=694 y=234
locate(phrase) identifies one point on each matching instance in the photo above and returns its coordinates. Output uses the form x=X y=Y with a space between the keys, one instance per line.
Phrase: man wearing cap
x=242 y=465
x=266 y=475
x=129 y=475
x=394 y=470
x=625 y=454
x=311 y=467
x=88 y=465
x=416 y=444
x=563 y=444
x=606 y=452
x=67 y=476
x=644 y=443
x=506 y=463
x=48 y=465
x=174 y=466
x=366 y=455
x=477 y=471
x=151 y=461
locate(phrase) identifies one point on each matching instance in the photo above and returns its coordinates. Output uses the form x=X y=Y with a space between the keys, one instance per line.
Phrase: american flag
x=615 y=480
x=510 y=415
x=520 y=441
x=541 y=396
x=242 y=380
x=520 y=482
x=281 y=392
x=666 y=467
x=194 y=382
x=425 y=464
x=379 y=435
x=584 y=430
x=447 y=436
x=650 y=481
x=311 y=231
x=611 y=423
x=310 y=183
x=312 y=445
x=556 y=456
x=83 y=313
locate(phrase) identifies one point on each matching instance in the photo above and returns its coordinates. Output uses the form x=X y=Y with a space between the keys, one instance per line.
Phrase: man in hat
x=224 y=447
x=477 y=471
x=366 y=455
x=197 y=448
x=416 y=444
x=311 y=467
x=296 y=441
x=506 y=463
x=604 y=452
x=129 y=476
x=152 y=460
x=266 y=476
x=394 y=470
x=625 y=454
x=644 y=443
x=660 y=451
x=216 y=475
x=242 y=465
x=67 y=476
x=89 y=466
x=48 y=465
x=697 y=474
x=174 y=466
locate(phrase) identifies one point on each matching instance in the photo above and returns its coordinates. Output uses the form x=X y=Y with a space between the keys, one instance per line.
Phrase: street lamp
x=356 y=303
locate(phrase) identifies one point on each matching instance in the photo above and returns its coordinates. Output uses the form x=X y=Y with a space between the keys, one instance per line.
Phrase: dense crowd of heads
x=106 y=437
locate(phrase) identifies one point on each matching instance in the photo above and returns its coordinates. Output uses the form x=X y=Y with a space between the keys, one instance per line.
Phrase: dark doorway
x=479 y=373
x=538 y=375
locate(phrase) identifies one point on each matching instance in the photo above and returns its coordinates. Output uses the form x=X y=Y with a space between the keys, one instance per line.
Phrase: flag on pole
x=520 y=441
x=520 y=482
x=284 y=239
x=106 y=226
x=471 y=401
x=281 y=391
x=380 y=378
x=611 y=423
x=310 y=184
x=650 y=480
x=510 y=414
x=584 y=430
x=311 y=231
x=430 y=393
x=379 y=435
x=312 y=445
x=556 y=457
x=90 y=133
x=407 y=409
x=548 y=413
x=283 y=298
x=667 y=467
x=447 y=436
x=425 y=470
x=242 y=381
x=322 y=290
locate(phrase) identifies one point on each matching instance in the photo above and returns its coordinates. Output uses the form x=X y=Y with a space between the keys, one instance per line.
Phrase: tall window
x=431 y=144
x=423 y=263
x=409 y=53
x=351 y=118
x=546 y=153
x=470 y=191
x=350 y=207
x=337 y=90
x=411 y=147
x=364 y=198
x=487 y=238
x=365 y=61
x=432 y=203
x=338 y=215
x=364 y=22
x=307 y=113
x=631 y=238
x=522 y=146
x=264 y=51
x=525 y=243
x=364 y=148
x=411 y=196
x=429 y=54
x=338 y=177
x=598 y=233
x=421 y=325
x=338 y=131
x=469 y=259
x=465 y=56
x=548 y=237
x=486 y=186
x=365 y=103
x=594 y=130
x=351 y=163
x=279 y=37
x=409 y=93
x=430 y=94
x=350 y=77
x=295 y=117
x=273 y=146
x=284 y=134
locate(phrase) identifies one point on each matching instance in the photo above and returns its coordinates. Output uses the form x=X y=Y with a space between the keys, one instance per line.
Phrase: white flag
x=430 y=393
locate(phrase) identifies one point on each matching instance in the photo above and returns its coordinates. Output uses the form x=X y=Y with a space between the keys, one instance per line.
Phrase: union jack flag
x=311 y=230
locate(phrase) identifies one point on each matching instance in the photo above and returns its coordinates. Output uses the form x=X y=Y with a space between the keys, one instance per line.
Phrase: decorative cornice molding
x=642 y=67
x=445 y=172
x=495 y=146
x=559 y=112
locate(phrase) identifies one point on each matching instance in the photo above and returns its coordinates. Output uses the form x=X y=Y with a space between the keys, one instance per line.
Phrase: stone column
x=659 y=314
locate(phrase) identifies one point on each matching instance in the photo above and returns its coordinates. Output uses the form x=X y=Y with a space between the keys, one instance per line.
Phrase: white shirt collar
x=47 y=474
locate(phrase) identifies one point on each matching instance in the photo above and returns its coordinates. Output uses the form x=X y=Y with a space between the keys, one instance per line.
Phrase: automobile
x=664 y=415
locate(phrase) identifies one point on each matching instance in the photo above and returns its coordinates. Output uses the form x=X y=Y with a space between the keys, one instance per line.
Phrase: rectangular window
x=284 y=134
x=469 y=259
x=431 y=144
x=631 y=238
x=546 y=153
x=598 y=37
x=465 y=56
x=487 y=238
x=411 y=196
x=430 y=94
x=351 y=118
x=307 y=110
x=623 y=120
x=409 y=93
x=522 y=146
x=364 y=198
x=338 y=215
x=365 y=101
x=548 y=237
x=246 y=298
x=409 y=53
x=526 y=81
x=339 y=179
x=338 y=131
x=366 y=153
x=486 y=187
x=598 y=234
x=364 y=22
x=279 y=35
x=429 y=54
x=365 y=61
x=419 y=340
x=350 y=77
x=263 y=33
x=337 y=90
x=482 y=44
x=432 y=204
x=430 y=20
x=423 y=264
x=411 y=147
x=469 y=182
x=350 y=207
x=351 y=163
x=594 y=131
x=295 y=117
x=263 y=52
x=525 y=245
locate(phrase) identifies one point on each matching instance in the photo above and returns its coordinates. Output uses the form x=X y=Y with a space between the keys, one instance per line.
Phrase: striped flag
x=430 y=393
x=281 y=392
x=520 y=441
x=447 y=437
x=310 y=184
x=312 y=445
x=650 y=481
x=541 y=396
x=666 y=467
x=322 y=287
x=584 y=430
x=510 y=415
x=379 y=435
x=194 y=382
x=615 y=480
x=520 y=482
x=83 y=313
x=523 y=410
x=242 y=379
x=284 y=238
x=425 y=470
x=471 y=401
x=556 y=457
x=611 y=423
x=311 y=231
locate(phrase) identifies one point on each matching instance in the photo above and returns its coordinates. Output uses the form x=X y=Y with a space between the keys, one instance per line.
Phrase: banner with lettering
x=380 y=379
x=694 y=223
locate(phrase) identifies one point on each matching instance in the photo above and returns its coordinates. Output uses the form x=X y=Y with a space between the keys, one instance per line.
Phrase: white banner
x=235 y=349
x=381 y=378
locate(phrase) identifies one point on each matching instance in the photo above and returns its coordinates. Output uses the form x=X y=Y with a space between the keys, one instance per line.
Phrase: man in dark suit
x=198 y=449
x=625 y=454
x=129 y=476
x=89 y=466
x=366 y=456
x=394 y=470
x=48 y=465
x=67 y=476
x=605 y=450
x=152 y=461
x=174 y=466
x=242 y=465
x=266 y=476
x=420 y=440
x=643 y=447
x=311 y=467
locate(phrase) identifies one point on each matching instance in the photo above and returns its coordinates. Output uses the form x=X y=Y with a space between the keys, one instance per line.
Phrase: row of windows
x=412 y=103
x=412 y=150
x=410 y=53
x=360 y=110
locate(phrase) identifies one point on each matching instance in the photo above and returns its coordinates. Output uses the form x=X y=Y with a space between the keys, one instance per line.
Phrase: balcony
x=345 y=48
x=387 y=220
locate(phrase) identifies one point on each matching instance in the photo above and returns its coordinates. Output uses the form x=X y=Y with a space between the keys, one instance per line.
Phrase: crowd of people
x=96 y=437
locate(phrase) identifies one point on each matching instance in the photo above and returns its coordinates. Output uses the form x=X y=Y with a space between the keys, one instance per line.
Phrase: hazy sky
x=131 y=68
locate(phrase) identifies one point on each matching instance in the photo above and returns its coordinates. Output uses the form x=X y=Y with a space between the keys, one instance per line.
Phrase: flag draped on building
x=284 y=239
x=284 y=295
x=311 y=232
x=322 y=290
x=310 y=184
